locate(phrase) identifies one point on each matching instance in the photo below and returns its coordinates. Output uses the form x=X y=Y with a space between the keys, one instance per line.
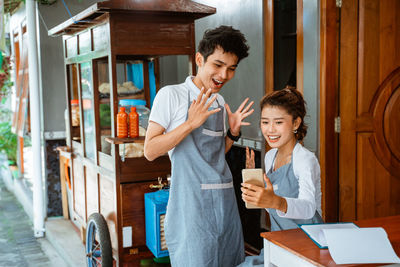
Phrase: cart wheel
x=98 y=242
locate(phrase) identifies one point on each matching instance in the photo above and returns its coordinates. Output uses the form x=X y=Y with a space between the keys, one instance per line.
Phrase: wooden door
x=369 y=139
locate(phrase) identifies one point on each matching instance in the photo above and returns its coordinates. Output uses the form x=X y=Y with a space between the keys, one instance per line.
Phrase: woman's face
x=277 y=126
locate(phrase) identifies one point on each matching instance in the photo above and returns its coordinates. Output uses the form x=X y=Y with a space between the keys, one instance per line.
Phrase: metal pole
x=34 y=97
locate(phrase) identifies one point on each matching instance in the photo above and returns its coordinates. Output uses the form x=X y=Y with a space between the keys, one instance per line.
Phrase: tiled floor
x=18 y=246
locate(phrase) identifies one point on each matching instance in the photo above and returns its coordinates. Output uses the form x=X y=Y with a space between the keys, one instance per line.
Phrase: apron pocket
x=212 y=133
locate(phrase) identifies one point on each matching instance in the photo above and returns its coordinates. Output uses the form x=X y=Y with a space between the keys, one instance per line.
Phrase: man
x=202 y=225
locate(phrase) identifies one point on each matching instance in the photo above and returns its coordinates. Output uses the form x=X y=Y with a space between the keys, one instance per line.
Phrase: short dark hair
x=293 y=102
x=228 y=38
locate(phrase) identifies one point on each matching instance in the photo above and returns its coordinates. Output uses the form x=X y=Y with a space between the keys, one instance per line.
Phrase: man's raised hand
x=236 y=119
x=198 y=110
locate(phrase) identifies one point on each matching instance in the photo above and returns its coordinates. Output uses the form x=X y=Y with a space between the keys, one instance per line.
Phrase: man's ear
x=199 y=59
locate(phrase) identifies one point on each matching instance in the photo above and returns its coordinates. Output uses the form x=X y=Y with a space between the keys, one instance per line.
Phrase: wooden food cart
x=101 y=44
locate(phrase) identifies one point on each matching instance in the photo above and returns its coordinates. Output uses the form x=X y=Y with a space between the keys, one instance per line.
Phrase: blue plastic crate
x=155 y=207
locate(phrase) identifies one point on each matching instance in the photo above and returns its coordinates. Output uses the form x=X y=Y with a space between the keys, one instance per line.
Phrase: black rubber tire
x=104 y=238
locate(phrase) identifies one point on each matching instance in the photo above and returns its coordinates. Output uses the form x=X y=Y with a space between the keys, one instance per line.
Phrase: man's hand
x=157 y=143
x=263 y=197
x=250 y=162
x=198 y=110
x=236 y=119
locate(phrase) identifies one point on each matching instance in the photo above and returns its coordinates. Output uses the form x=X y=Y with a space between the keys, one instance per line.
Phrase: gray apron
x=286 y=185
x=202 y=225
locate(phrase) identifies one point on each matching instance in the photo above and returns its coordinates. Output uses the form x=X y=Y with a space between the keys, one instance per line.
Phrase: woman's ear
x=296 y=123
x=199 y=59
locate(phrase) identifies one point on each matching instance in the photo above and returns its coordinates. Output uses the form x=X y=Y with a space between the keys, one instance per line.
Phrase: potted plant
x=5 y=79
x=9 y=146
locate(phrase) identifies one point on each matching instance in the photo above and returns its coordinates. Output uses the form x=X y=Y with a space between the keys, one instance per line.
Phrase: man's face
x=219 y=68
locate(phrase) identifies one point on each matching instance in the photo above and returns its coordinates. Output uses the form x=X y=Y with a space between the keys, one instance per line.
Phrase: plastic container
x=75 y=112
x=133 y=123
x=155 y=207
x=141 y=109
x=122 y=123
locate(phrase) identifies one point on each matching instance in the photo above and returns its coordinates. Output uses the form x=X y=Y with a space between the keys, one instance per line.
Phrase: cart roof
x=86 y=18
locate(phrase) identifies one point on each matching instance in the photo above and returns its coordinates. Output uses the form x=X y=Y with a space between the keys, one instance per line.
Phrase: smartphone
x=255 y=177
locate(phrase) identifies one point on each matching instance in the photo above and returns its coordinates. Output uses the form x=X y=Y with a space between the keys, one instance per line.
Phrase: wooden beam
x=268 y=7
x=299 y=47
x=328 y=109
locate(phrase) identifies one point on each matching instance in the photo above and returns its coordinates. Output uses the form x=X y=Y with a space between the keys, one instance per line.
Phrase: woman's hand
x=263 y=197
x=235 y=120
x=250 y=162
x=198 y=111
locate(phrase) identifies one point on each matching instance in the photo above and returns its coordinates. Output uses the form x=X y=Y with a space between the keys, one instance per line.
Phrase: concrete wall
x=311 y=72
x=246 y=16
x=52 y=64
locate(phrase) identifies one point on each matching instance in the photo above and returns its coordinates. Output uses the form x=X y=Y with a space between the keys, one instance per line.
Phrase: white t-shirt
x=171 y=105
x=307 y=171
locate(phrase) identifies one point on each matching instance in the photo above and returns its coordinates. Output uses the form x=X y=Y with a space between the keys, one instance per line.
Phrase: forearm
x=228 y=144
x=228 y=141
x=280 y=204
x=158 y=145
x=298 y=209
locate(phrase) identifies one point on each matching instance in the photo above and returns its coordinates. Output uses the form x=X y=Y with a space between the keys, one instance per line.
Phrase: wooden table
x=295 y=248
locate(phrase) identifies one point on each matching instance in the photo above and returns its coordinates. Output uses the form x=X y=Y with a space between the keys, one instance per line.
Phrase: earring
x=295 y=131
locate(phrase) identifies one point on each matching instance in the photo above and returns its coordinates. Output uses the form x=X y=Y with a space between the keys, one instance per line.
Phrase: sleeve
x=161 y=111
x=307 y=170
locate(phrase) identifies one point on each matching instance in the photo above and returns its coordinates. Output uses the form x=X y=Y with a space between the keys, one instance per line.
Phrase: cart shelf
x=119 y=141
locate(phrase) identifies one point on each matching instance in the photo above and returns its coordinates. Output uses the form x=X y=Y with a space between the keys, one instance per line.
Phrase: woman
x=292 y=195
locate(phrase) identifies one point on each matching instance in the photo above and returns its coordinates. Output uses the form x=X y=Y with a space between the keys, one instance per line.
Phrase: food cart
x=103 y=46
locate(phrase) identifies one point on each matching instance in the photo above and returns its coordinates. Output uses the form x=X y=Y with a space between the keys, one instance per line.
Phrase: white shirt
x=170 y=106
x=307 y=171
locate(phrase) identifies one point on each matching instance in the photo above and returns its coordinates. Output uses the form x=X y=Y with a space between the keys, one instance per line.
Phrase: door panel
x=369 y=149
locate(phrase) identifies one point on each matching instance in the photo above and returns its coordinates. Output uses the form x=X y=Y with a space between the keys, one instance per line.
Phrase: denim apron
x=202 y=225
x=286 y=184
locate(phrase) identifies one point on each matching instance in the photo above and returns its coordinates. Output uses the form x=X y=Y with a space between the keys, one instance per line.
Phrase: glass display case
x=112 y=54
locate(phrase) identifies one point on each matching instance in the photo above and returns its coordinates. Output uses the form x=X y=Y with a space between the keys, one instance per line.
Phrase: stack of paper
x=349 y=244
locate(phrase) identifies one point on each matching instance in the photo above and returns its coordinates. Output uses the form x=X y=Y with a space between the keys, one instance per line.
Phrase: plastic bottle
x=122 y=123
x=133 y=123
x=141 y=110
